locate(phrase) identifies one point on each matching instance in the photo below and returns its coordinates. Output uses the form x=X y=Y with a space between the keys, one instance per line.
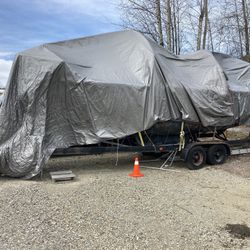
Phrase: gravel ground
x=105 y=209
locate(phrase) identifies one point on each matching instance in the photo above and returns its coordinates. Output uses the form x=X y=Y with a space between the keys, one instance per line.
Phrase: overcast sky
x=28 y=23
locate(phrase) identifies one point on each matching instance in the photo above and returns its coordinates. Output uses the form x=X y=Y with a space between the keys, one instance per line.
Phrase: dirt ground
x=104 y=208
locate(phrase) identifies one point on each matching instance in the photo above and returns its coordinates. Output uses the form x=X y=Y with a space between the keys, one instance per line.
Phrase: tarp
x=91 y=89
x=238 y=77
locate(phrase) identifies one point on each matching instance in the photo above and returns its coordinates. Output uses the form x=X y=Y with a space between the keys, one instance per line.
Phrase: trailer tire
x=216 y=154
x=196 y=158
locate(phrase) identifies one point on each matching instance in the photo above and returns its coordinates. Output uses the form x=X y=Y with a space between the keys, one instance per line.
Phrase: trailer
x=119 y=92
x=194 y=147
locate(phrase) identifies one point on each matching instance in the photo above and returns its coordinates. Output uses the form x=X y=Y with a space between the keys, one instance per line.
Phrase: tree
x=159 y=23
x=202 y=29
x=246 y=26
x=201 y=17
x=168 y=25
x=205 y=25
x=141 y=16
x=238 y=27
x=189 y=25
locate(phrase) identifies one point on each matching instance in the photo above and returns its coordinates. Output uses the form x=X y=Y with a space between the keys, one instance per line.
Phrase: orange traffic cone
x=136 y=172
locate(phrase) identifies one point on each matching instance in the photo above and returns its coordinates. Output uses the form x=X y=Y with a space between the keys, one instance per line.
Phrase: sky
x=28 y=23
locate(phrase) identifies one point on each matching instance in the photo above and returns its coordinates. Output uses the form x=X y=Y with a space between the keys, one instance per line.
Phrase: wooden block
x=61 y=172
x=65 y=175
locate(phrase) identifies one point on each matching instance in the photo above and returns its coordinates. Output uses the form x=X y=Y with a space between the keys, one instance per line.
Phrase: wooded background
x=189 y=25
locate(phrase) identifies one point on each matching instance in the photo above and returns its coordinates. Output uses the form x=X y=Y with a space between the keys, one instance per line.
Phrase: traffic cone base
x=136 y=172
x=136 y=175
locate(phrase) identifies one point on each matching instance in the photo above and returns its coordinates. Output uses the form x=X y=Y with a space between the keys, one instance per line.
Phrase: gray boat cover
x=237 y=73
x=91 y=89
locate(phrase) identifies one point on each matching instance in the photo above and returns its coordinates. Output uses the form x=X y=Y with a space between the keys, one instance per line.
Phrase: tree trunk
x=178 y=39
x=201 y=17
x=169 y=25
x=159 y=22
x=244 y=8
x=178 y=31
x=238 y=27
x=175 y=28
x=206 y=25
x=211 y=36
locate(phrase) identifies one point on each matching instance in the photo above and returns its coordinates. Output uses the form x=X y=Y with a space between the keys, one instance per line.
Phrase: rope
x=150 y=140
x=141 y=139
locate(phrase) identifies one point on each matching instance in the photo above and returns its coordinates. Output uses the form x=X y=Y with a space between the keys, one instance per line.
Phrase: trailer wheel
x=196 y=158
x=216 y=154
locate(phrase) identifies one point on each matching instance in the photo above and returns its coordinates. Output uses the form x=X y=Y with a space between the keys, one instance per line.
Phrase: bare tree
x=159 y=23
x=246 y=26
x=189 y=25
x=206 y=24
x=230 y=28
x=201 y=17
x=238 y=27
x=140 y=15
x=202 y=28
x=169 y=25
x=161 y=20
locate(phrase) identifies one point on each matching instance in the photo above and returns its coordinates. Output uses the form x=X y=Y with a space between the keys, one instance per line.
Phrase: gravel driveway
x=105 y=209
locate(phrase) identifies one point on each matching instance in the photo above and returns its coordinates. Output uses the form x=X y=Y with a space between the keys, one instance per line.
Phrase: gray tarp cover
x=108 y=86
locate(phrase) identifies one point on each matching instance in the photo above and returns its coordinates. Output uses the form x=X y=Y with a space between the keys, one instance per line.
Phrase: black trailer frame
x=210 y=146
x=195 y=153
x=89 y=150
